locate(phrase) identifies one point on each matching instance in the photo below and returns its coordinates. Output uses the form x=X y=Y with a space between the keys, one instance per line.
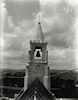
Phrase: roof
x=38 y=89
x=39 y=34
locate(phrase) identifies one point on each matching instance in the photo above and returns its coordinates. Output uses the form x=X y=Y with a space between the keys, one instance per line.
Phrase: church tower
x=36 y=80
x=37 y=60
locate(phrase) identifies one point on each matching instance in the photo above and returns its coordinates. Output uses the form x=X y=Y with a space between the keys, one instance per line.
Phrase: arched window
x=38 y=53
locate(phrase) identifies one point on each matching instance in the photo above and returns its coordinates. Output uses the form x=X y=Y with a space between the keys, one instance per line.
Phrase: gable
x=36 y=91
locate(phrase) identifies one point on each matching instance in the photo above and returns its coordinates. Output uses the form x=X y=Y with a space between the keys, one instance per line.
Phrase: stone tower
x=37 y=60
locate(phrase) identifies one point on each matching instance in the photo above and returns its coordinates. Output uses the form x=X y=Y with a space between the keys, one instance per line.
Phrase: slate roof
x=38 y=88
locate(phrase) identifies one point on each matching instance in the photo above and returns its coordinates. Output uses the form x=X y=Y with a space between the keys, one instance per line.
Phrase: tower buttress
x=46 y=79
x=26 y=79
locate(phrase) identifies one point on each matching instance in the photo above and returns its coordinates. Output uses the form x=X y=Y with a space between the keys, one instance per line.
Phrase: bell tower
x=37 y=60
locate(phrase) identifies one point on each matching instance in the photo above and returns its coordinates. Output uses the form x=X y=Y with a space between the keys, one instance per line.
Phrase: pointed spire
x=39 y=34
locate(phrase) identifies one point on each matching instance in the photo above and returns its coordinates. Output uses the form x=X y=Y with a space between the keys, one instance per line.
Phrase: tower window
x=38 y=53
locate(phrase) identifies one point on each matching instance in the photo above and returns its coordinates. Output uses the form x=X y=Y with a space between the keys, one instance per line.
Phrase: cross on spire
x=39 y=18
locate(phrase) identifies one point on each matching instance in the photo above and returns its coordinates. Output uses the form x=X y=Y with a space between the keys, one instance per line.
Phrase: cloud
x=59 y=16
x=15 y=39
x=57 y=19
x=62 y=59
x=22 y=10
x=17 y=42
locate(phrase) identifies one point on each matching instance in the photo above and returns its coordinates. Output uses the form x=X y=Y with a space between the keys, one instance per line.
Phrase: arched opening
x=38 y=53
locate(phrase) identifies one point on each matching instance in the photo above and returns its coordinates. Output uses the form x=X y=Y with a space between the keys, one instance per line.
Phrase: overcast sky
x=19 y=20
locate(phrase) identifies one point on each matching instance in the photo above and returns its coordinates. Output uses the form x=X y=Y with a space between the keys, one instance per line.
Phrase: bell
x=38 y=54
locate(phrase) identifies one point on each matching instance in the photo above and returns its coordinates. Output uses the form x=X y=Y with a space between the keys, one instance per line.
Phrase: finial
x=39 y=20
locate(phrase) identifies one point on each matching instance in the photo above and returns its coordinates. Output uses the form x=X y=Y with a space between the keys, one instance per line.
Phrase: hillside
x=65 y=82
x=73 y=75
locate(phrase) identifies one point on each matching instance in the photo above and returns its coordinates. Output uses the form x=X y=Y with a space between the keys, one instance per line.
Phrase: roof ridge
x=40 y=89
